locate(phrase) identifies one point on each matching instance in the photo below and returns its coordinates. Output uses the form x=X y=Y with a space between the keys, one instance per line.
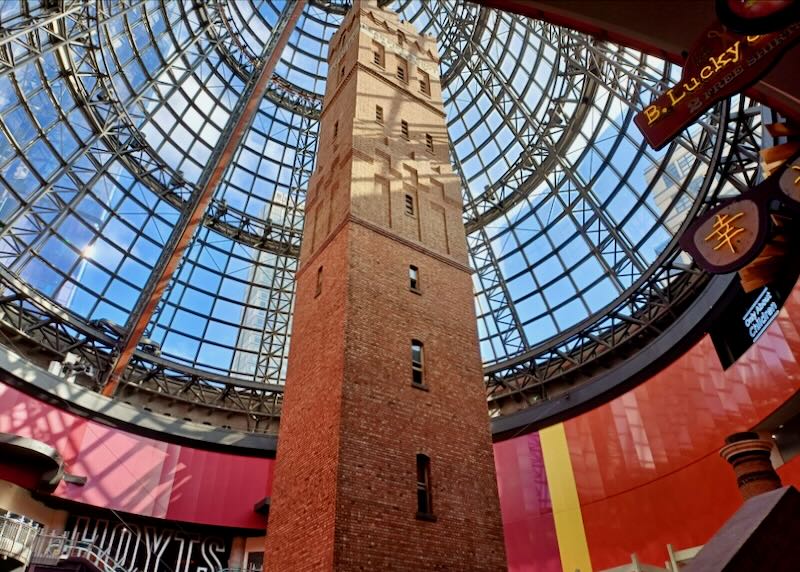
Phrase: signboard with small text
x=746 y=318
x=720 y=64
x=760 y=314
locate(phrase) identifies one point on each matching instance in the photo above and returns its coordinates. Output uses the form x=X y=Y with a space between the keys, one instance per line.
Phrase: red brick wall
x=386 y=421
x=345 y=489
x=303 y=510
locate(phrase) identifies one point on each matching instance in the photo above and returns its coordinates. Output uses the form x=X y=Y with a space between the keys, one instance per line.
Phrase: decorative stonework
x=749 y=456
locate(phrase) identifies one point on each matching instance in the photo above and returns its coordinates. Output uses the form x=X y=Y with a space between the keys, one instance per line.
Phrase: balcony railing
x=17 y=537
x=50 y=549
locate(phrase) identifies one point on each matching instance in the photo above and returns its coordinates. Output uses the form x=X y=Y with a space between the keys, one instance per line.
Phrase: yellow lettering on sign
x=672 y=100
x=734 y=51
x=695 y=85
x=716 y=63
x=724 y=230
x=652 y=113
x=797 y=179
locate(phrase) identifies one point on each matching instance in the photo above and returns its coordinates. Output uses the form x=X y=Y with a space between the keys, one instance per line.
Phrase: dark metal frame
x=649 y=293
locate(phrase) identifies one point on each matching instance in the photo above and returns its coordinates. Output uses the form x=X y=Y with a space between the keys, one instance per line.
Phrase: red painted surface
x=135 y=474
x=646 y=464
x=790 y=472
x=25 y=477
x=530 y=532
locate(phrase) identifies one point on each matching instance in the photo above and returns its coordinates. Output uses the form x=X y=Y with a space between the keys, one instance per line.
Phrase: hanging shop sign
x=760 y=314
x=147 y=548
x=731 y=235
x=719 y=65
x=757 y=16
x=746 y=317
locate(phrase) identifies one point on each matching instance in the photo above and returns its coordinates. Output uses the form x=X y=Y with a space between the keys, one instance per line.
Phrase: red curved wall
x=135 y=474
x=645 y=465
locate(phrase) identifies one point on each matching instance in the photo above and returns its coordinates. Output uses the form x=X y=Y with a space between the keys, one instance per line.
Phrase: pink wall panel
x=530 y=534
x=28 y=417
x=239 y=489
x=123 y=470
x=139 y=475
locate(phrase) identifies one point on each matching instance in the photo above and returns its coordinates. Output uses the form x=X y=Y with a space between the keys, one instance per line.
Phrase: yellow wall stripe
x=572 y=546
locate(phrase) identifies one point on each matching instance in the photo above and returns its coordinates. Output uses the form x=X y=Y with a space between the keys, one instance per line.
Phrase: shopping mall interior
x=309 y=285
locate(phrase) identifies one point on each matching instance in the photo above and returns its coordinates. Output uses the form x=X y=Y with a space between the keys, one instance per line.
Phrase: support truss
x=645 y=309
x=41 y=331
x=274 y=348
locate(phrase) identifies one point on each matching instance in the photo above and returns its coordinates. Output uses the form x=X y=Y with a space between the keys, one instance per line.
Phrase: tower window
x=409 y=205
x=424 y=82
x=379 y=114
x=424 y=491
x=341 y=74
x=404 y=128
x=413 y=278
x=378 y=54
x=319 y=282
x=417 y=366
x=402 y=72
x=429 y=142
x=335 y=129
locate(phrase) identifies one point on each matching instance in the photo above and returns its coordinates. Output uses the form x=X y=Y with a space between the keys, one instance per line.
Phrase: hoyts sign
x=719 y=65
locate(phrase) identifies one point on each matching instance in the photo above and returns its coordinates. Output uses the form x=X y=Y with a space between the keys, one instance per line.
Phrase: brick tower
x=384 y=458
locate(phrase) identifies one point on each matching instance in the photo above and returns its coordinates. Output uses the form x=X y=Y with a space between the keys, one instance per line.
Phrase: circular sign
x=790 y=180
x=729 y=238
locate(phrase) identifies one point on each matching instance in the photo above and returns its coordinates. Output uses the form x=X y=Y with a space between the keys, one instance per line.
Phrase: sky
x=93 y=232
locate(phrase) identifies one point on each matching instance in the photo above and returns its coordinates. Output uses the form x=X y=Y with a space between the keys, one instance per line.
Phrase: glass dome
x=111 y=114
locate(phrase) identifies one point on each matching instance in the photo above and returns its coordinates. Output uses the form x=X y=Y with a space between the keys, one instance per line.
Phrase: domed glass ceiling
x=110 y=113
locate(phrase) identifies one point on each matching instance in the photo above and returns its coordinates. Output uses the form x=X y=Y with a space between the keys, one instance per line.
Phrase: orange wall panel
x=646 y=465
x=790 y=472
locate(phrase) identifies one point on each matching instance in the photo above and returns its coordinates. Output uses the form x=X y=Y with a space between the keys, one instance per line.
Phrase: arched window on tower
x=417 y=364
x=413 y=278
x=424 y=489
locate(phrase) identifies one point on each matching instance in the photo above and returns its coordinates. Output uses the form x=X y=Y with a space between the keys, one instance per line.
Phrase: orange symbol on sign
x=724 y=230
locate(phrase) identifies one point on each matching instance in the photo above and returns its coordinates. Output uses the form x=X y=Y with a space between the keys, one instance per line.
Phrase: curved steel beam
x=39 y=327
x=640 y=311
x=608 y=384
x=209 y=180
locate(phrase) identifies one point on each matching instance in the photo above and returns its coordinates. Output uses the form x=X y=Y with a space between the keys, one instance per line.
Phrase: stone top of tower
x=367 y=30
x=385 y=27
x=383 y=145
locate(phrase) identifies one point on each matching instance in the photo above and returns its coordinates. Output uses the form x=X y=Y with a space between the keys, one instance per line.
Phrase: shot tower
x=384 y=459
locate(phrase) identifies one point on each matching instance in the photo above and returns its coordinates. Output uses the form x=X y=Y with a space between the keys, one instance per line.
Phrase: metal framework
x=113 y=114
x=42 y=332
x=243 y=114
